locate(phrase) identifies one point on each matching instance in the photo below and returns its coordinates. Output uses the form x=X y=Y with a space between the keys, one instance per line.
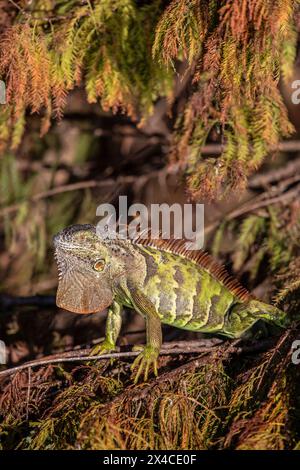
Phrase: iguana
x=160 y=279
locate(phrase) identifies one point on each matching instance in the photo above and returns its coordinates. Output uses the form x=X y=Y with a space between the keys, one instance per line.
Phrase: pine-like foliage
x=236 y=51
x=214 y=401
x=104 y=45
x=124 y=53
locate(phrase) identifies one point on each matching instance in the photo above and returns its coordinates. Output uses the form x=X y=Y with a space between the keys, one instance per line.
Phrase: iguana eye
x=99 y=265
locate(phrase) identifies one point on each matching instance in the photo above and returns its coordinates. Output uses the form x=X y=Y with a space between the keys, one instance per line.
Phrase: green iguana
x=160 y=279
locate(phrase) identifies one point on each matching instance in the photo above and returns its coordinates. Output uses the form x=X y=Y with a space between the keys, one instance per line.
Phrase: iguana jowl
x=161 y=280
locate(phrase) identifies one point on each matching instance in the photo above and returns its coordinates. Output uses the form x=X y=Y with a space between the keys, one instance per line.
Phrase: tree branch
x=168 y=349
x=80 y=185
x=258 y=203
x=180 y=347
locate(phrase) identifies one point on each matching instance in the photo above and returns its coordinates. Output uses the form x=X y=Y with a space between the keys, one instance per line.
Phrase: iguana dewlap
x=160 y=279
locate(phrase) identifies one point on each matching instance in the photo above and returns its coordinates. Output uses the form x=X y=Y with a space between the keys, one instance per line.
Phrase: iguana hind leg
x=112 y=330
x=236 y=326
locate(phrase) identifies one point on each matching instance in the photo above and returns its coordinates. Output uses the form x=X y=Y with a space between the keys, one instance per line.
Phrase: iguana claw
x=144 y=360
x=103 y=348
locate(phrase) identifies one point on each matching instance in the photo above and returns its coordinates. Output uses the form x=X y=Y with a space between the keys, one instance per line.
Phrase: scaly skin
x=162 y=282
x=112 y=330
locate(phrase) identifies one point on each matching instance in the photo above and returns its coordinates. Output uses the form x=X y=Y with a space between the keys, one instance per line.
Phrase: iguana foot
x=147 y=357
x=103 y=348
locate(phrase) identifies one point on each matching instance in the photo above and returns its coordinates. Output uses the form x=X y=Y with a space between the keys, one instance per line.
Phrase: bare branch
x=202 y=346
x=288 y=146
x=90 y=184
x=180 y=347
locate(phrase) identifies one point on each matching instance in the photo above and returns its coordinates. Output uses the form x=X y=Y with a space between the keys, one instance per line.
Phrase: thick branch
x=180 y=347
x=168 y=349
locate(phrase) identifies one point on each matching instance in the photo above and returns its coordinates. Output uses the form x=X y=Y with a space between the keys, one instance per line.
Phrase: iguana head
x=90 y=267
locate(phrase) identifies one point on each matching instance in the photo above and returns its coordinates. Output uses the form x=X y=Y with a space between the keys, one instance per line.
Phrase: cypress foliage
x=125 y=54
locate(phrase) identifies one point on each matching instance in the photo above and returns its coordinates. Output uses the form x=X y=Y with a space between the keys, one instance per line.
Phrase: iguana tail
x=267 y=312
x=244 y=315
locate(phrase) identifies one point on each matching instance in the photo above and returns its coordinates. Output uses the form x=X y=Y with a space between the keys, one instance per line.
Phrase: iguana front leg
x=112 y=330
x=150 y=352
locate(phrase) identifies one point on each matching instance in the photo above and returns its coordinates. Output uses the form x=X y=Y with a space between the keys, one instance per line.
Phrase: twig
x=251 y=206
x=130 y=179
x=273 y=176
x=276 y=350
x=122 y=180
x=73 y=356
x=287 y=146
x=202 y=346
x=291 y=194
x=17 y=6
